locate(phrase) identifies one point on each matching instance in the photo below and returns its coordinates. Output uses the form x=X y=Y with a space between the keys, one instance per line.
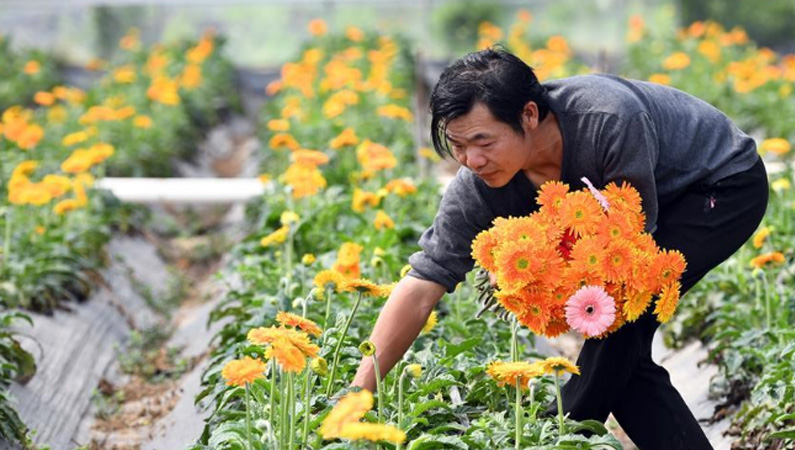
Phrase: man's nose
x=475 y=159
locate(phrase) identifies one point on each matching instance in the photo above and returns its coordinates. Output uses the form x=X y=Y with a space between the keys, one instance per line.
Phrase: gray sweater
x=657 y=138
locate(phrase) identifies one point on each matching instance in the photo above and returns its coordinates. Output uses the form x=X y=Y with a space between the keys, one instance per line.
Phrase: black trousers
x=708 y=223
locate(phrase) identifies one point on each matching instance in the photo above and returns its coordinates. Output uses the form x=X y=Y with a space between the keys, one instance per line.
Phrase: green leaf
x=429 y=442
x=784 y=434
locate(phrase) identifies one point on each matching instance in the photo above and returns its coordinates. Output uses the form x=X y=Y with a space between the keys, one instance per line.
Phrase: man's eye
x=487 y=144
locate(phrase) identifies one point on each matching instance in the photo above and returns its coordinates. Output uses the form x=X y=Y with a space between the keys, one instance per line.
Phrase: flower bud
x=405 y=270
x=308 y=259
x=367 y=348
x=319 y=366
x=415 y=370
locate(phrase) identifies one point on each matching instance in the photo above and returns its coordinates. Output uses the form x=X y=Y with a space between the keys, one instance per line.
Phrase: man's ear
x=530 y=115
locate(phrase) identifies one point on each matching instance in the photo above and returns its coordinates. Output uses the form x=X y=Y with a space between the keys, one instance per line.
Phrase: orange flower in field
x=348 y=271
x=44 y=98
x=279 y=125
x=660 y=78
x=363 y=286
x=622 y=197
x=516 y=265
x=483 y=250
x=509 y=373
x=142 y=121
x=361 y=199
x=580 y=212
x=328 y=278
x=401 y=186
x=304 y=180
x=191 y=76
x=617 y=263
x=374 y=157
x=283 y=140
x=552 y=194
x=296 y=321
x=241 y=371
x=382 y=220
x=349 y=253
x=345 y=138
x=32 y=67
x=308 y=157
x=289 y=347
x=355 y=34
x=762 y=260
x=30 y=136
x=348 y=410
x=317 y=27
x=666 y=304
x=288 y=356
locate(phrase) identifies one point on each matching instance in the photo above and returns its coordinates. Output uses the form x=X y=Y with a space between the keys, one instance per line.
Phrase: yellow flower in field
x=676 y=61
x=328 y=279
x=279 y=125
x=349 y=253
x=197 y=54
x=363 y=286
x=296 y=321
x=317 y=27
x=100 y=152
x=433 y=319
x=274 y=87
x=373 y=432
x=65 y=206
x=283 y=140
x=345 y=138
x=74 y=138
x=57 y=114
x=782 y=184
x=557 y=365
x=350 y=409
x=386 y=289
x=304 y=180
x=401 y=186
x=319 y=366
x=264 y=178
x=131 y=40
x=44 y=98
x=277 y=237
x=778 y=146
x=57 y=185
x=142 y=121
x=395 y=112
x=124 y=74
x=32 y=67
x=764 y=259
x=427 y=153
x=512 y=372
x=79 y=161
x=355 y=34
x=191 y=76
x=40 y=230
x=289 y=217
x=761 y=236
x=164 y=90
x=25 y=168
x=382 y=220
x=405 y=270
x=637 y=28
x=660 y=78
x=30 y=136
x=241 y=371
x=307 y=259
x=361 y=199
x=374 y=157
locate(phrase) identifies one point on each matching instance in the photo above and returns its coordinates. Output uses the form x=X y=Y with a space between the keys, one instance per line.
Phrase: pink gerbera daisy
x=590 y=311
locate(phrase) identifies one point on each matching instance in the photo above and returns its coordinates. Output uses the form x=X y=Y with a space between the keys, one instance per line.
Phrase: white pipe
x=183 y=190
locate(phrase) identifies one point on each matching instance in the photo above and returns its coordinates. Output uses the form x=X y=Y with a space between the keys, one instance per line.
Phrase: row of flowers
x=343 y=211
x=54 y=144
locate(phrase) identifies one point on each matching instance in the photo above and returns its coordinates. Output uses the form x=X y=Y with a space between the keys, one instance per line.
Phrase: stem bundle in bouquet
x=581 y=261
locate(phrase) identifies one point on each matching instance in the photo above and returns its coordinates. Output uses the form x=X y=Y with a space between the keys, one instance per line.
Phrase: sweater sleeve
x=631 y=156
x=445 y=257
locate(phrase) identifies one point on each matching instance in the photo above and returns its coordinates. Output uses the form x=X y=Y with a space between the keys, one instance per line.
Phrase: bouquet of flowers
x=582 y=262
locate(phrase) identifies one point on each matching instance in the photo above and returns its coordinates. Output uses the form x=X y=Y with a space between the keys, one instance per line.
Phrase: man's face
x=493 y=150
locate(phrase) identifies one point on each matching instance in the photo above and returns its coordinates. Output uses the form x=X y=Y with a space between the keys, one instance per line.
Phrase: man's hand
x=398 y=325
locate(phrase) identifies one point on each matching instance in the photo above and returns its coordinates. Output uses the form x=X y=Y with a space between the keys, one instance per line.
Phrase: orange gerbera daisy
x=580 y=212
x=667 y=266
x=309 y=157
x=636 y=304
x=666 y=304
x=557 y=324
x=328 y=278
x=241 y=371
x=285 y=345
x=551 y=195
x=296 y=321
x=537 y=312
x=349 y=409
x=288 y=356
x=550 y=267
x=617 y=263
x=512 y=301
x=516 y=265
x=365 y=287
x=588 y=255
x=623 y=197
x=483 y=250
x=521 y=229
x=618 y=225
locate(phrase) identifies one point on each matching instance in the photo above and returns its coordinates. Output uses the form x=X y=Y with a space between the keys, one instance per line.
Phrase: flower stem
x=307 y=398
x=7 y=238
x=400 y=403
x=248 y=418
x=283 y=425
x=378 y=388
x=291 y=395
x=339 y=345
x=273 y=399
x=518 y=413
x=560 y=404
x=328 y=311
x=514 y=341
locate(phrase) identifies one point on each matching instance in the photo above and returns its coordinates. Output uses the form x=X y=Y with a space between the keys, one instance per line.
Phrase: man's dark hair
x=494 y=77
